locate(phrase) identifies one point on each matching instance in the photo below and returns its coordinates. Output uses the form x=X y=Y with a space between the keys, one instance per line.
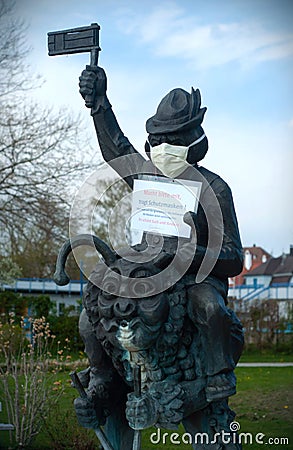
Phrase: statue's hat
x=177 y=111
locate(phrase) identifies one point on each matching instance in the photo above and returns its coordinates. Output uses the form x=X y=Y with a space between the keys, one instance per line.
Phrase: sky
x=239 y=53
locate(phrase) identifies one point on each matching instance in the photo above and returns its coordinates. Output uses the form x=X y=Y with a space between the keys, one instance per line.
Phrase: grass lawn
x=263 y=404
x=266 y=356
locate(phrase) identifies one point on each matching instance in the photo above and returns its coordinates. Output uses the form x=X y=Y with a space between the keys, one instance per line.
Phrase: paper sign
x=158 y=205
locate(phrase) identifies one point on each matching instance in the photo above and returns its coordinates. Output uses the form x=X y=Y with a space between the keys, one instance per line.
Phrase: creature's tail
x=60 y=276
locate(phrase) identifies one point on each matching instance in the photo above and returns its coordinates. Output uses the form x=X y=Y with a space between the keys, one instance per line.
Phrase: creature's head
x=127 y=302
x=134 y=308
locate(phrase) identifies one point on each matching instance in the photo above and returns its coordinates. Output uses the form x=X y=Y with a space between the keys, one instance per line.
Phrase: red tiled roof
x=258 y=252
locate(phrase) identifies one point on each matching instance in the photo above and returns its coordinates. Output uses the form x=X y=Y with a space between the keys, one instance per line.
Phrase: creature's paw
x=86 y=414
x=141 y=412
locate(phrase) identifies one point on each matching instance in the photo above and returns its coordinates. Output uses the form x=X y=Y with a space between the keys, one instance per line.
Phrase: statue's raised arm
x=113 y=143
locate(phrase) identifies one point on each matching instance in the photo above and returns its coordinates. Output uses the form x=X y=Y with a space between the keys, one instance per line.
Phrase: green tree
x=40 y=305
x=9 y=271
x=65 y=328
x=12 y=302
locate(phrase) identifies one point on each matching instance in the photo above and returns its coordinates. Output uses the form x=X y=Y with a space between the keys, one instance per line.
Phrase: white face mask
x=171 y=159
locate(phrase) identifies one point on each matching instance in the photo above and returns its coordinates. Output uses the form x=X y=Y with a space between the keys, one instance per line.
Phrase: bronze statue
x=176 y=329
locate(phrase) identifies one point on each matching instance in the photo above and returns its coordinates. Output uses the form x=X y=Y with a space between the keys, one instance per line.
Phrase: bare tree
x=41 y=154
x=112 y=212
x=13 y=52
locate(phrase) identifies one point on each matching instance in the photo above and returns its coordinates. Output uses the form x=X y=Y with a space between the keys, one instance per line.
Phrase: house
x=253 y=257
x=275 y=271
x=62 y=296
x=271 y=280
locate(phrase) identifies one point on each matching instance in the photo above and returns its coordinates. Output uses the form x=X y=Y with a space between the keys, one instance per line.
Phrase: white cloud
x=171 y=32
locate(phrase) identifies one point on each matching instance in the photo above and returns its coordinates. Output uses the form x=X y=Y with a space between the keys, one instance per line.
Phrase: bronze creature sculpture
x=177 y=329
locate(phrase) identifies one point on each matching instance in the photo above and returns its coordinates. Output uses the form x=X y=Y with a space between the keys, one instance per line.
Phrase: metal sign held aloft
x=75 y=40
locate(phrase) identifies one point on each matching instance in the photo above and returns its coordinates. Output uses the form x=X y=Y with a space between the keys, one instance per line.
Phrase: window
x=61 y=307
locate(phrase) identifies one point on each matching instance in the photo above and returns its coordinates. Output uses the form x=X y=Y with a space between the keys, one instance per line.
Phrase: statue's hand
x=141 y=412
x=86 y=413
x=92 y=84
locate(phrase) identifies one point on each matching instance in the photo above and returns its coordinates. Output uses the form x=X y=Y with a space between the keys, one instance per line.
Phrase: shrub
x=28 y=377
x=65 y=433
